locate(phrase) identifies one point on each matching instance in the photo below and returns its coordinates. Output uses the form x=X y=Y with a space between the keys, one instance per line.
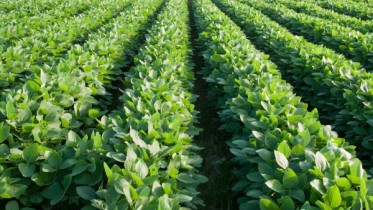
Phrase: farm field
x=186 y=104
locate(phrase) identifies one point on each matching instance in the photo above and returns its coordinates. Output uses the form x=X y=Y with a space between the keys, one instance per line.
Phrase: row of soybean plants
x=338 y=88
x=368 y=2
x=51 y=151
x=287 y=158
x=364 y=26
x=14 y=27
x=27 y=56
x=150 y=135
x=353 y=44
x=28 y=8
x=356 y=9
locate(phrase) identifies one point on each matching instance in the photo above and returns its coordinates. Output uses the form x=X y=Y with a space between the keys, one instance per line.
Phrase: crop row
x=45 y=48
x=26 y=8
x=277 y=141
x=48 y=141
x=14 y=27
x=154 y=127
x=315 y=10
x=352 y=8
x=340 y=89
x=353 y=44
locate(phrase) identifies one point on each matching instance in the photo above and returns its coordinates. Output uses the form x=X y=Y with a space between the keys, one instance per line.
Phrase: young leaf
x=267 y=204
x=11 y=111
x=284 y=148
x=343 y=183
x=333 y=197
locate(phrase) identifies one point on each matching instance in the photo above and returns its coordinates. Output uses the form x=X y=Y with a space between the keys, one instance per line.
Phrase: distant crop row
x=15 y=26
x=315 y=10
x=353 y=44
x=362 y=9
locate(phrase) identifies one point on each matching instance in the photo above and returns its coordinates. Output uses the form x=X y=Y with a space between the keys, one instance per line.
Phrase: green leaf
x=306 y=138
x=141 y=169
x=4 y=133
x=80 y=167
x=164 y=203
x=54 y=159
x=323 y=206
x=255 y=177
x=356 y=168
x=287 y=204
x=281 y=160
x=11 y=111
x=31 y=153
x=44 y=78
x=307 y=206
x=123 y=187
x=258 y=135
x=275 y=185
x=87 y=193
x=54 y=192
x=265 y=170
x=267 y=204
x=350 y=197
x=343 y=183
x=27 y=170
x=12 y=205
x=52 y=116
x=254 y=193
x=145 y=192
x=265 y=154
x=298 y=194
x=67 y=181
x=297 y=150
x=136 y=138
x=284 y=148
x=333 y=197
x=318 y=185
x=290 y=179
x=108 y=171
x=68 y=163
x=93 y=113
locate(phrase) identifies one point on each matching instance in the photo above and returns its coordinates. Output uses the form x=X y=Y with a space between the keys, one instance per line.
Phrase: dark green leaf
x=4 y=133
x=31 y=153
x=87 y=193
x=290 y=179
x=27 y=170
x=12 y=205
